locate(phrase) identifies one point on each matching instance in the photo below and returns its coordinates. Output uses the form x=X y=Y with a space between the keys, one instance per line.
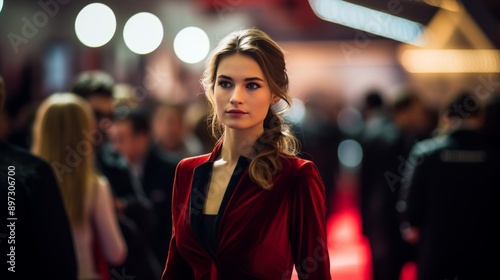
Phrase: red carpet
x=349 y=251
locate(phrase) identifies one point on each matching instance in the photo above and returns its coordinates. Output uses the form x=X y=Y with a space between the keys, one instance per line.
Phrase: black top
x=205 y=226
x=208 y=226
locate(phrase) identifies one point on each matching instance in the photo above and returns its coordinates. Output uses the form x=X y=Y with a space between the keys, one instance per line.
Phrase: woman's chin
x=236 y=126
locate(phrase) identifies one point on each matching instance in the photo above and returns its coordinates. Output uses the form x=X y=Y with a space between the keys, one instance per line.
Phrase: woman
x=250 y=209
x=59 y=137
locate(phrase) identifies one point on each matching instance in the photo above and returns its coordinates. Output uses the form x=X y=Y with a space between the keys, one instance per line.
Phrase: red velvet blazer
x=261 y=233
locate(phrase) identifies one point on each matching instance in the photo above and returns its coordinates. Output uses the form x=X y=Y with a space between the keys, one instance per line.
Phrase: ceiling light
x=369 y=20
x=451 y=61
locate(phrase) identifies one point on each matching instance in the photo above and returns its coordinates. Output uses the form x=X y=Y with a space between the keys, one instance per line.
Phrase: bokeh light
x=350 y=153
x=191 y=45
x=95 y=25
x=296 y=112
x=143 y=33
x=1 y=5
x=350 y=121
x=451 y=61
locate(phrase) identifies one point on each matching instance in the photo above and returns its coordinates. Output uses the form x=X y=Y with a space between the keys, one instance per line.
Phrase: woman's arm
x=308 y=225
x=176 y=267
x=110 y=236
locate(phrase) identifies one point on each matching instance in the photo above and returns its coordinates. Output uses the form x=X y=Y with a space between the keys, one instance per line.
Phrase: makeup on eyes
x=221 y=79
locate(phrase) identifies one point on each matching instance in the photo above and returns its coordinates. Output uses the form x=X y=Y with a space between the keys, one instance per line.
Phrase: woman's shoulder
x=297 y=164
x=101 y=186
x=192 y=162
x=299 y=172
x=101 y=181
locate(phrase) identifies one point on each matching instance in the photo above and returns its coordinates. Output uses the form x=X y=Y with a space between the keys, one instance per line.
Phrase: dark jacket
x=138 y=219
x=41 y=236
x=157 y=182
x=449 y=194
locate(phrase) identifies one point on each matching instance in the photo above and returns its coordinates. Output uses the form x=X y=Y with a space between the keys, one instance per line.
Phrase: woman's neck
x=238 y=143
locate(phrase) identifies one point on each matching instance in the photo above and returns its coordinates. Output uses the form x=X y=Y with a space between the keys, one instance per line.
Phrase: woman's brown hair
x=277 y=141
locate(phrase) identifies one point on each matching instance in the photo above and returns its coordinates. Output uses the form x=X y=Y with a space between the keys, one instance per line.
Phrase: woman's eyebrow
x=246 y=79
x=253 y=79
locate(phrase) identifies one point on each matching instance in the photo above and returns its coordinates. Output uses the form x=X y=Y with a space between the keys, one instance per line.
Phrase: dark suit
x=112 y=165
x=385 y=150
x=43 y=240
x=157 y=182
x=139 y=215
x=448 y=193
x=260 y=234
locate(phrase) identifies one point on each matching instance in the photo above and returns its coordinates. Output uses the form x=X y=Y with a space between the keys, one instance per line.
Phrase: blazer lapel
x=199 y=187
x=201 y=178
x=238 y=176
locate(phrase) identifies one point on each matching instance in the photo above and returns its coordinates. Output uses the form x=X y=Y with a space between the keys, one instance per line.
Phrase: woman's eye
x=224 y=84
x=253 y=86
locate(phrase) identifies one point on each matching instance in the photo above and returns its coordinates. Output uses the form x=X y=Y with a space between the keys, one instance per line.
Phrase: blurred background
x=338 y=53
x=337 y=49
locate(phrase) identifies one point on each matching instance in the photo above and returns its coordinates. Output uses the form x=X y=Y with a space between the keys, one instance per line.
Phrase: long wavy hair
x=277 y=141
x=58 y=137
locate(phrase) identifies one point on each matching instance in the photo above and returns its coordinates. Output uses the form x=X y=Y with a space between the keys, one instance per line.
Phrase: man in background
x=386 y=144
x=172 y=134
x=152 y=172
x=448 y=199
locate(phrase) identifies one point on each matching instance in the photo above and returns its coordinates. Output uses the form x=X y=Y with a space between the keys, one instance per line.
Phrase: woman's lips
x=235 y=113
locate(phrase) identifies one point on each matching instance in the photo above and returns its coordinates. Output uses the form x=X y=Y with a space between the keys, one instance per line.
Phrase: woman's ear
x=275 y=98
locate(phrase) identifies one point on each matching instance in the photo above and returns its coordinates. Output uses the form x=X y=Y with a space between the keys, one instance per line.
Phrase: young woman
x=250 y=209
x=59 y=137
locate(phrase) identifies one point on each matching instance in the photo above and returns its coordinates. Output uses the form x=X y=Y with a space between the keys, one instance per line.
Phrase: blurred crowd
x=428 y=184
x=426 y=179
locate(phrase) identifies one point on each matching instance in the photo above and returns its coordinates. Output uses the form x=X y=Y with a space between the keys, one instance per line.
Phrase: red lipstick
x=236 y=113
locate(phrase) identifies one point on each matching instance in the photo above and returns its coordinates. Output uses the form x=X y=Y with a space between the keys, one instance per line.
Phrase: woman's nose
x=237 y=96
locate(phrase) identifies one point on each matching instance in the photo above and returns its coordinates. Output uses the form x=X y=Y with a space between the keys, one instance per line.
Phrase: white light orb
x=143 y=33
x=95 y=25
x=191 y=45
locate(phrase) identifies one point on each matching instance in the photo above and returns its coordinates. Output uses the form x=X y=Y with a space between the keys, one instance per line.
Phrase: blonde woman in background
x=59 y=137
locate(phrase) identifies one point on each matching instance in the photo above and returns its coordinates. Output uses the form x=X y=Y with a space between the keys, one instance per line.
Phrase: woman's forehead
x=239 y=67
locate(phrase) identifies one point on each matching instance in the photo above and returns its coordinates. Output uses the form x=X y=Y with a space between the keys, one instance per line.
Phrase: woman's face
x=242 y=95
